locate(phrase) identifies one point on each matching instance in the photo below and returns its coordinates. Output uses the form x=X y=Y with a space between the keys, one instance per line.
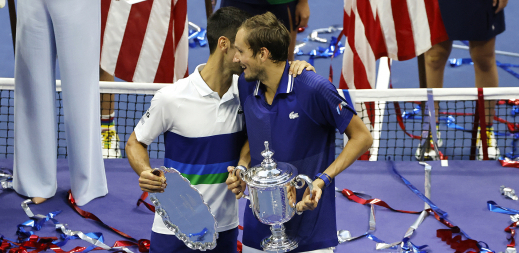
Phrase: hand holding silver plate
x=272 y=197
x=184 y=211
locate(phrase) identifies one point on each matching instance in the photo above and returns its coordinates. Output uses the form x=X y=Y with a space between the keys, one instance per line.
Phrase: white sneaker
x=493 y=150
x=110 y=143
x=429 y=154
x=438 y=137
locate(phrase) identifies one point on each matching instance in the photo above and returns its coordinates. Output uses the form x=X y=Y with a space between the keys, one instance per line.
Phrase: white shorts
x=246 y=249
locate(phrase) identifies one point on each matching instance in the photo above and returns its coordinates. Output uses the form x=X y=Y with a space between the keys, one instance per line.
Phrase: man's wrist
x=324 y=178
x=320 y=183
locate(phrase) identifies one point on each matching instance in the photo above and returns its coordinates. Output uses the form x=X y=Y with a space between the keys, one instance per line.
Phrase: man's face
x=243 y=56
x=233 y=66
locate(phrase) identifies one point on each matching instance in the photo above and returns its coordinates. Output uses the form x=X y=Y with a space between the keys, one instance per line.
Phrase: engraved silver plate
x=184 y=212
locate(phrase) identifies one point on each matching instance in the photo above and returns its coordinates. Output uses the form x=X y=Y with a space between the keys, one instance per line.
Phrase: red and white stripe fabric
x=145 y=42
x=399 y=29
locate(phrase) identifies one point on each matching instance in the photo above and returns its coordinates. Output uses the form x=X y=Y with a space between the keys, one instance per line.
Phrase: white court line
x=497 y=51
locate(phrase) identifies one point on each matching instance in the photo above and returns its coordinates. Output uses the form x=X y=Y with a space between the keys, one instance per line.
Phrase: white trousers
x=70 y=30
x=246 y=249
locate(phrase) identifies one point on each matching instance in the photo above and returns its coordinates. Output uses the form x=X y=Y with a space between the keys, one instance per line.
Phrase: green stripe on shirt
x=279 y=1
x=206 y=179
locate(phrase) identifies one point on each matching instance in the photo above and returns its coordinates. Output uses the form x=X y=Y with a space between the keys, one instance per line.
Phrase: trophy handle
x=299 y=182
x=242 y=170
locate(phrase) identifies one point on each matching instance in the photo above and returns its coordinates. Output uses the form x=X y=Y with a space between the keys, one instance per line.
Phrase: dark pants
x=227 y=242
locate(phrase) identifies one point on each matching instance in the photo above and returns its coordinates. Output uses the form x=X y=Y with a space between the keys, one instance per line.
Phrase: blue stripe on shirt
x=204 y=150
x=199 y=169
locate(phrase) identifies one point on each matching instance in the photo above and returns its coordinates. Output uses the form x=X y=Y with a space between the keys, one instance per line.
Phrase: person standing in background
x=69 y=31
x=145 y=42
x=479 y=23
x=292 y=13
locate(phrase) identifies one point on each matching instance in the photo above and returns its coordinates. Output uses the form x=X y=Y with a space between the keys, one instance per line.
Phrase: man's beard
x=260 y=75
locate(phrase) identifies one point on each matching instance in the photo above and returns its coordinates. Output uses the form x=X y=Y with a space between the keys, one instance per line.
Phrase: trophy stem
x=278 y=241
x=278 y=231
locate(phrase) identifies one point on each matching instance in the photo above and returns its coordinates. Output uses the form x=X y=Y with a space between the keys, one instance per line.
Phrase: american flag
x=145 y=42
x=399 y=29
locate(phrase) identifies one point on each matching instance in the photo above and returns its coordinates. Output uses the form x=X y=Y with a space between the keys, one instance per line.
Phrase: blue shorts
x=471 y=19
x=160 y=243
x=284 y=12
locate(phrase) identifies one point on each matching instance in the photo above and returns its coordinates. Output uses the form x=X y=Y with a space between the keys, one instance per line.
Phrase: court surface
x=462 y=190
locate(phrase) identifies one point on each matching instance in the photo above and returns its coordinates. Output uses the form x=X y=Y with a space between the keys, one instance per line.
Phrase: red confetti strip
x=351 y=196
x=509 y=163
x=141 y=200
x=143 y=244
x=510 y=230
x=457 y=242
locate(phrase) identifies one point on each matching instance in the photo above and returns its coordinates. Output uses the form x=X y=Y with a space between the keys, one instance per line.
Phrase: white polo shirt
x=203 y=135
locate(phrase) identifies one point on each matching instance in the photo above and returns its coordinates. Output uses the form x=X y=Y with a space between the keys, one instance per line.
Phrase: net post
x=422 y=76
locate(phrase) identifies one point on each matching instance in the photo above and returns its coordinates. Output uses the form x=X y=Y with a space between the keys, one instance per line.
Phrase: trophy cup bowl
x=272 y=198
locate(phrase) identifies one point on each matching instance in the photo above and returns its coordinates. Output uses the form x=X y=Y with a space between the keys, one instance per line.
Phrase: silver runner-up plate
x=184 y=211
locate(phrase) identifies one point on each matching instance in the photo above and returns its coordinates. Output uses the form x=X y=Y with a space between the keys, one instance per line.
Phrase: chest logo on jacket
x=293 y=115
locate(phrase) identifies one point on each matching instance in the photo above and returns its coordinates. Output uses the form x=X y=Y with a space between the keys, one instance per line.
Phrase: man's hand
x=291 y=195
x=502 y=4
x=152 y=183
x=302 y=13
x=234 y=183
x=296 y=67
x=308 y=203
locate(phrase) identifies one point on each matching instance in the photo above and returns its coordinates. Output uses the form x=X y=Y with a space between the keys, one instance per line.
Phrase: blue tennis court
x=462 y=189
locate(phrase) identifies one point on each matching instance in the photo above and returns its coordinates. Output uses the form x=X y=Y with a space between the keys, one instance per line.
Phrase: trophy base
x=278 y=241
x=284 y=244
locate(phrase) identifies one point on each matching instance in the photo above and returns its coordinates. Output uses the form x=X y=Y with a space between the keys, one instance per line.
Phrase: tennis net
x=394 y=117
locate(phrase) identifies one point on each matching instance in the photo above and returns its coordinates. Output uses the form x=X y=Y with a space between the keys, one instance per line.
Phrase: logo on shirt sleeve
x=340 y=107
x=144 y=117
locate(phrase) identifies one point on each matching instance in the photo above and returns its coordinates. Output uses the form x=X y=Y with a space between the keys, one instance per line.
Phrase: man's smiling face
x=250 y=64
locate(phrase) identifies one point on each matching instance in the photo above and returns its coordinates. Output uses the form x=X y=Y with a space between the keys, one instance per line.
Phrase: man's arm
x=140 y=161
x=359 y=141
x=234 y=182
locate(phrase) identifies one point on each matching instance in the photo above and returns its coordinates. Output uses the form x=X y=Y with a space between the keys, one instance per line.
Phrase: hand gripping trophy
x=272 y=196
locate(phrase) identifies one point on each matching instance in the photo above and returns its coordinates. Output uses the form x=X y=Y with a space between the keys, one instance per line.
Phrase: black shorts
x=471 y=19
x=283 y=12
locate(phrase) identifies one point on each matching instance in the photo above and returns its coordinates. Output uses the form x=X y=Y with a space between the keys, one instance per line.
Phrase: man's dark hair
x=224 y=22
x=267 y=31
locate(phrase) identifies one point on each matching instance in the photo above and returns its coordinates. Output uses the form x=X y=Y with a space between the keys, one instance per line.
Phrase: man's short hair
x=267 y=31
x=224 y=22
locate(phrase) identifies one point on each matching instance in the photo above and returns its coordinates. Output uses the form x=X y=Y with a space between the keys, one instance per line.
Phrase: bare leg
x=107 y=100
x=484 y=58
x=435 y=60
x=110 y=139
